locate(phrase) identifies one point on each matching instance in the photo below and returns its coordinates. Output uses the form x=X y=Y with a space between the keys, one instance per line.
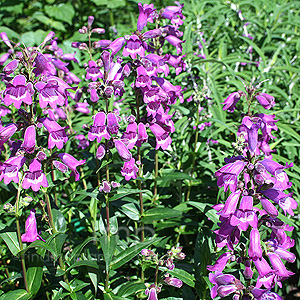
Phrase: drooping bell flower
x=130 y=135
x=31 y=233
x=34 y=178
x=122 y=150
x=245 y=216
x=5 y=39
x=220 y=262
x=100 y=152
x=231 y=101
x=224 y=284
x=10 y=169
x=134 y=47
x=98 y=129
x=8 y=131
x=82 y=107
x=163 y=139
x=129 y=170
x=18 y=91
x=57 y=135
x=151 y=292
x=72 y=163
x=142 y=136
x=228 y=175
x=93 y=71
x=145 y=15
x=230 y=204
x=255 y=250
x=49 y=94
x=43 y=66
x=266 y=100
x=116 y=45
x=285 y=201
x=176 y=42
x=29 y=139
x=11 y=67
x=173 y=282
x=112 y=123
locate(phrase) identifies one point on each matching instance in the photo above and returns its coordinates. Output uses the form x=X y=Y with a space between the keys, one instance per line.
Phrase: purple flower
x=18 y=91
x=99 y=130
x=34 y=178
x=100 y=152
x=11 y=67
x=255 y=250
x=29 y=139
x=231 y=101
x=285 y=201
x=49 y=94
x=130 y=135
x=151 y=293
x=230 y=204
x=266 y=100
x=220 y=263
x=173 y=282
x=145 y=11
x=93 y=71
x=122 y=150
x=163 y=139
x=72 y=163
x=31 y=233
x=133 y=47
x=245 y=215
x=10 y=169
x=176 y=42
x=116 y=45
x=228 y=174
x=142 y=136
x=8 y=131
x=57 y=135
x=129 y=170
x=112 y=123
x=224 y=284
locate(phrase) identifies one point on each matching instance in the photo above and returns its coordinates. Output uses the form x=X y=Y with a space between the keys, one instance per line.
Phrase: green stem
x=19 y=237
x=50 y=215
x=155 y=176
x=194 y=154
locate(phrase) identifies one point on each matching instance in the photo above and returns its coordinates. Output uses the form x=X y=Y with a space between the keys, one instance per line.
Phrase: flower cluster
x=166 y=261
x=257 y=186
x=137 y=58
x=36 y=86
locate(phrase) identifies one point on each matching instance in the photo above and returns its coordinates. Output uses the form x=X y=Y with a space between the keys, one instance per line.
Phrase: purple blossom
x=129 y=170
x=29 y=139
x=145 y=15
x=18 y=91
x=10 y=169
x=173 y=282
x=31 y=233
x=72 y=163
x=98 y=129
x=34 y=178
x=57 y=135
x=266 y=100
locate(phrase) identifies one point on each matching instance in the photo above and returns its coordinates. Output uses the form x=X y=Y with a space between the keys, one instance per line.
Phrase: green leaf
x=289 y=130
x=116 y=3
x=206 y=209
x=183 y=275
x=125 y=256
x=10 y=238
x=59 y=221
x=124 y=192
x=62 y=12
x=159 y=213
x=174 y=175
x=187 y=47
x=34 y=273
x=83 y=263
x=100 y=2
x=130 y=288
x=19 y=294
x=76 y=252
x=108 y=245
x=42 y=245
x=130 y=210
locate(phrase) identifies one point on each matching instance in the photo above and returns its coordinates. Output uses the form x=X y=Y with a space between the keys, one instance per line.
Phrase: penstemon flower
x=249 y=219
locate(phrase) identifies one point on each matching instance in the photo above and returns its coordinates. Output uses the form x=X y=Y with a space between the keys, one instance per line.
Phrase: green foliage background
x=274 y=26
